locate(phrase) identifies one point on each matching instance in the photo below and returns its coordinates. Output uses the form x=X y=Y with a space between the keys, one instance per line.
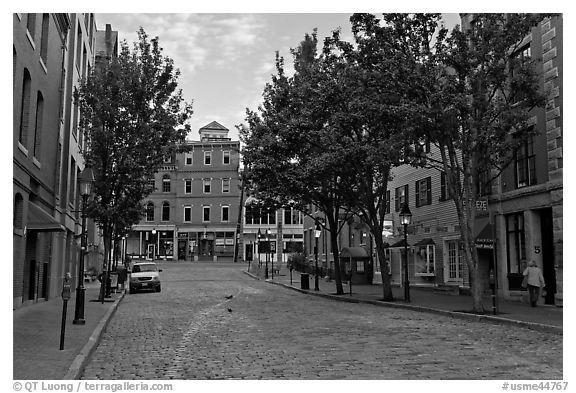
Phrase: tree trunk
x=334 y=245
x=386 y=287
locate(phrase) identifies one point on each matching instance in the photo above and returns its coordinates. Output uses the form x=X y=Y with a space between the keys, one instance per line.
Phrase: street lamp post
x=259 y=237
x=86 y=179
x=405 y=219
x=317 y=233
x=153 y=244
x=267 y=247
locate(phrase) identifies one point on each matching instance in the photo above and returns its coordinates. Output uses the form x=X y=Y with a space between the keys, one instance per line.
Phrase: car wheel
x=158 y=289
x=132 y=289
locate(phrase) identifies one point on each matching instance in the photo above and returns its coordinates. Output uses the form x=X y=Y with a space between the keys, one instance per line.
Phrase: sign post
x=66 y=294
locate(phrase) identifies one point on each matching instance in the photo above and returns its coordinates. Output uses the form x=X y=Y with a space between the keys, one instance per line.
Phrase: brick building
x=193 y=214
x=51 y=52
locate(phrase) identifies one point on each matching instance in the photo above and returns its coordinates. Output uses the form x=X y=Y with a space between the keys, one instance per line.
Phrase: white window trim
x=186 y=192
x=204 y=182
x=209 y=213
x=184 y=214
x=208 y=154
x=428 y=253
x=222 y=213
x=229 y=182
x=186 y=156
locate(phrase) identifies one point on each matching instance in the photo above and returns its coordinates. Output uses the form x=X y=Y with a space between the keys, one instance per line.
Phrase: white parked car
x=145 y=276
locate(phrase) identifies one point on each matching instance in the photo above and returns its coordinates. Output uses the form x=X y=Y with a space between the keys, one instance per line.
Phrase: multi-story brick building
x=51 y=53
x=193 y=214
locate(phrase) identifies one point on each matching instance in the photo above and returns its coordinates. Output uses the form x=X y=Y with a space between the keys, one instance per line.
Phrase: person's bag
x=525 y=282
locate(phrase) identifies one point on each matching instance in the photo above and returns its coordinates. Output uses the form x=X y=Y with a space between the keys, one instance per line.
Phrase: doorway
x=548 y=270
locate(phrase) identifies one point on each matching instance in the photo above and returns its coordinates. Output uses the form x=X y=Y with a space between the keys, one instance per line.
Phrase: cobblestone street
x=191 y=330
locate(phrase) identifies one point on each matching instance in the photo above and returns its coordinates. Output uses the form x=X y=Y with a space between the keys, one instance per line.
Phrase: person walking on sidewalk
x=534 y=280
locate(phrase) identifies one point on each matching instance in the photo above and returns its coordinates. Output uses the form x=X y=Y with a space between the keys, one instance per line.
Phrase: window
x=72 y=181
x=442 y=186
x=207 y=158
x=206 y=214
x=44 y=38
x=150 y=212
x=187 y=213
x=25 y=108
x=207 y=186
x=401 y=196
x=424 y=192
x=165 y=211
x=188 y=158
x=78 y=46
x=225 y=213
x=292 y=217
x=31 y=25
x=166 y=183
x=424 y=260
x=455 y=259
x=38 y=125
x=525 y=165
x=167 y=159
x=515 y=242
x=18 y=218
x=226 y=157
x=484 y=185
x=152 y=184
x=387 y=211
x=188 y=186
x=84 y=61
x=255 y=215
x=76 y=115
x=520 y=60
x=225 y=186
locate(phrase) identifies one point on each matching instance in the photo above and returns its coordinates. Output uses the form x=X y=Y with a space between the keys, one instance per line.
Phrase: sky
x=226 y=59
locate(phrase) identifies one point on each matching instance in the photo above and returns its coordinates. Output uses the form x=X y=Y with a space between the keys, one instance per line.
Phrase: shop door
x=150 y=254
x=547 y=251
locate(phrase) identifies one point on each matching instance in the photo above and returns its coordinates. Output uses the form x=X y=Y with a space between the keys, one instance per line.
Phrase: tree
x=132 y=116
x=290 y=151
x=474 y=101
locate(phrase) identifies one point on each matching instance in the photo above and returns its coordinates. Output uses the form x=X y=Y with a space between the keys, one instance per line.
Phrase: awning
x=483 y=231
x=401 y=243
x=424 y=242
x=41 y=221
x=354 y=252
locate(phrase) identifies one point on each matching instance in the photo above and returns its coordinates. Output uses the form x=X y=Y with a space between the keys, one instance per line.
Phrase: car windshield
x=144 y=268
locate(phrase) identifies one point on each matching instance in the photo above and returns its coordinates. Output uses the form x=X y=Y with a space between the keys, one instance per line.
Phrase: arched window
x=44 y=38
x=166 y=183
x=38 y=125
x=150 y=211
x=18 y=218
x=25 y=108
x=31 y=25
x=165 y=211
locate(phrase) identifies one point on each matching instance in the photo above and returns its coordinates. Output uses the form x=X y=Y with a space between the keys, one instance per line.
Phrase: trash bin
x=304 y=281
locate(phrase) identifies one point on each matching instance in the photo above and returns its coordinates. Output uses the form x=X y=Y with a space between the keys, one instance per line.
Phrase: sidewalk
x=36 y=336
x=546 y=318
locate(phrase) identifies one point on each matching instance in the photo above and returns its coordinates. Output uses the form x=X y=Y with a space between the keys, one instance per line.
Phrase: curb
x=82 y=358
x=453 y=314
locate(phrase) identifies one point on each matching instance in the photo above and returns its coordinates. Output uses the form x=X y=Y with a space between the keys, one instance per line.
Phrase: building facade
x=281 y=233
x=51 y=53
x=193 y=215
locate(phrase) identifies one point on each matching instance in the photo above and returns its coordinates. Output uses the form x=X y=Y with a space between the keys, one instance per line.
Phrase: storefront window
x=515 y=242
x=424 y=260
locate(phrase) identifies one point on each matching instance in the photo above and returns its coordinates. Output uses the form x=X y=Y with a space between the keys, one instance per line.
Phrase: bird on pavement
x=229 y=296
x=229 y=310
